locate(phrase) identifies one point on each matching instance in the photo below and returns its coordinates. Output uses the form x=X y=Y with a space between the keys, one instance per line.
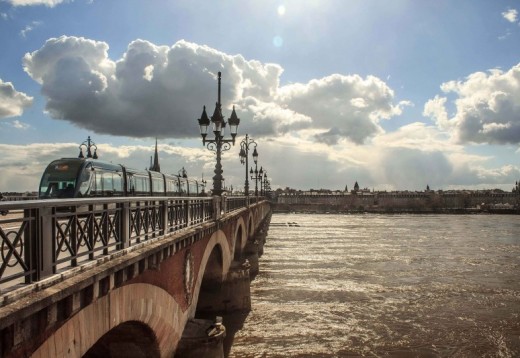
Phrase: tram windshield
x=59 y=179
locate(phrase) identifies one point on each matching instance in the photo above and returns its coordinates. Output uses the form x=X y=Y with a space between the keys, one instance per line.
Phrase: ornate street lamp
x=182 y=173
x=257 y=175
x=219 y=144
x=88 y=144
x=203 y=183
x=263 y=180
x=244 y=156
x=266 y=184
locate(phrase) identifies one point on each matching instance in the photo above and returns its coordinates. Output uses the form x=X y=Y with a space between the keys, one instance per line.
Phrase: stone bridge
x=123 y=276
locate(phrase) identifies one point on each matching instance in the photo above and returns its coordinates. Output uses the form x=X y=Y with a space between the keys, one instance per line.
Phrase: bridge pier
x=255 y=247
x=232 y=295
x=202 y=338
x=251 y=253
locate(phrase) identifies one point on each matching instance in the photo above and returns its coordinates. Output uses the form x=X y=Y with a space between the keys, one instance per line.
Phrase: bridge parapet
x=40 y=238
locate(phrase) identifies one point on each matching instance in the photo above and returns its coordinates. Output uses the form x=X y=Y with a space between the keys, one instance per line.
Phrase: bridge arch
x=133 y=307
x=240 y=239
x=250 y=225
x=129 y=339
x=213 y=269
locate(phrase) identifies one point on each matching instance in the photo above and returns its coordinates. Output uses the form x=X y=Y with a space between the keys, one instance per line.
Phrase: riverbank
x=336 y=209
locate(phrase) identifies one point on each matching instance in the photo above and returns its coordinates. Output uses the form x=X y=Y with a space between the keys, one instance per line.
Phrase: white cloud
x=29 y=28
x=12 y=102
x=436 y=109
x=417 y=136
x=510 y=15
x=343 y=106
x=159 y=91
x=487 y=107
x=20 y=125
x=48 y=3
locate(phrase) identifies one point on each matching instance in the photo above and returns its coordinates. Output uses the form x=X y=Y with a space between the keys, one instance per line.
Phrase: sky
x=395 y=95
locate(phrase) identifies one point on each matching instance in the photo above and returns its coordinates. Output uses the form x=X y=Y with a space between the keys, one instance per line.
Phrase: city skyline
x=393 y=95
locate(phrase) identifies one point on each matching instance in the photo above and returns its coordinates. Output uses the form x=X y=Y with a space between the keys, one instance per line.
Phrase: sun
x=281 y=10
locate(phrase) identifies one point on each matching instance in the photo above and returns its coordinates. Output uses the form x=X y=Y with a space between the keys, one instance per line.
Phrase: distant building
x=403 y=201
x=155 y=166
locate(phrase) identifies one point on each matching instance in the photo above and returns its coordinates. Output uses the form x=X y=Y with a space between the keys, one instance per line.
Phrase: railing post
x=224 y=204
x=164 y=216
x=124 y=226
x=46 y=222
x=31 y=244
x=104 y=225
x=91 y=230
x=202 y=211
x=216 y=207
x=137 y=222
x=187 y=212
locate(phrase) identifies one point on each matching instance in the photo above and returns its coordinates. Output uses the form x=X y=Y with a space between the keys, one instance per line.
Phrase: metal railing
x=39 y=238
x=237 y=202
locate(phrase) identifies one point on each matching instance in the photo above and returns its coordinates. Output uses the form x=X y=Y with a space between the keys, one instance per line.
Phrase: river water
x=386 y=286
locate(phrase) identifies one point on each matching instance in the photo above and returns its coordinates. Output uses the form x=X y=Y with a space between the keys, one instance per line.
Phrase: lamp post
x=263 y=179
x=218 y=144
x=266 y=183
x=88 y=144
x=261 y=185
x=256 y=177
x=203 y=184
x=244 y=157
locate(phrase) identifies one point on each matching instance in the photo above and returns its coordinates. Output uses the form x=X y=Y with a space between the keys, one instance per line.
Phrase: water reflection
x=233 y=323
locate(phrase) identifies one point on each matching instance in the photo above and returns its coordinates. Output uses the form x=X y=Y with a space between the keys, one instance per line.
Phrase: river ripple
x=386 y=286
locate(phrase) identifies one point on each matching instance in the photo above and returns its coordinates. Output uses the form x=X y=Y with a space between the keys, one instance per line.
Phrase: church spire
x=156 y=167
x=356 y=186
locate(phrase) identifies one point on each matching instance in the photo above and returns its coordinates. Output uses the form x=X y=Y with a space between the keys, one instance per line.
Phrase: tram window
x=130 y=182
x=84 y=182
x=97 y=189
x=138 y=185
x=171 y=186
x=108 y=186
x=118 y=183
x=192 y=188
x=177 y=187
x=57 y=180
x=158 y=185
x=142 y=186
x=146 y=185
x=183 y=190
x=51 y=190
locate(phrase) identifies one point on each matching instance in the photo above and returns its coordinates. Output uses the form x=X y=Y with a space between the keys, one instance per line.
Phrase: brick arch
x=239 y=238
x=217 y=241
x=256 y=215
x=129 y=339
x=251 y=224
x=140 y=302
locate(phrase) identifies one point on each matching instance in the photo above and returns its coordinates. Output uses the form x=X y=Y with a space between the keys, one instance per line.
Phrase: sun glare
x=278 y=41
x=281 y=10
